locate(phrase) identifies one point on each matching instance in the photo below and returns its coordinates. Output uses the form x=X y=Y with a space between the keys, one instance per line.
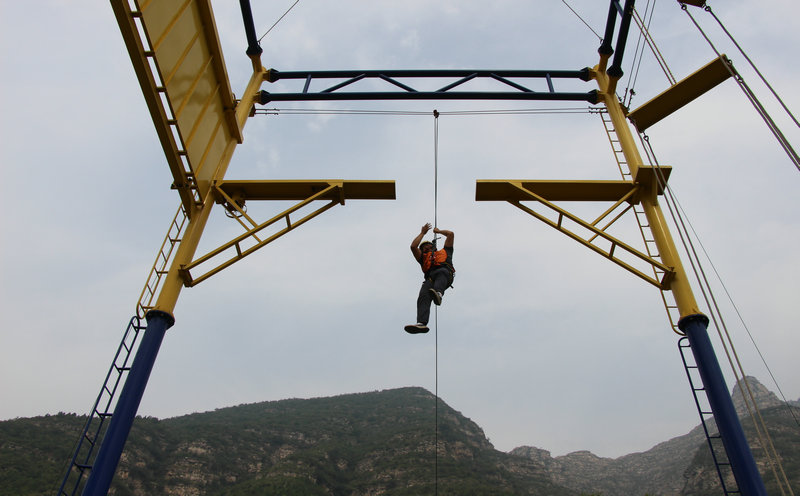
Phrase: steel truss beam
x=545 y=192
x=234 y=194
x=516 y=90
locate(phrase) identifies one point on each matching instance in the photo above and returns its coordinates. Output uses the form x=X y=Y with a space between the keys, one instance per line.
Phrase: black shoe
x=416 y=328
x=437 y=296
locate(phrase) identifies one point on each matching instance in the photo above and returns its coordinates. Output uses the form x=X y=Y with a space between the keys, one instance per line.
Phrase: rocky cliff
x=682 y=465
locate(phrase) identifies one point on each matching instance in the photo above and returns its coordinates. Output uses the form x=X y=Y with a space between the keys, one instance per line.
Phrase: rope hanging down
x=435 y=171
x=436 y=310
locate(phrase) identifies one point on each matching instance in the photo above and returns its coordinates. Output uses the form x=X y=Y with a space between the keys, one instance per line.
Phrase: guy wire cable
x=716 y=314
x=707 y=8
x=782 y=140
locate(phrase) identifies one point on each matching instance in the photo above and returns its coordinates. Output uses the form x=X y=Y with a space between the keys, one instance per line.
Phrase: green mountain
x=377 y=443
x=357 y=444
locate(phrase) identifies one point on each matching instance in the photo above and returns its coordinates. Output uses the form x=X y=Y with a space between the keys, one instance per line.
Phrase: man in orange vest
x=439 y=272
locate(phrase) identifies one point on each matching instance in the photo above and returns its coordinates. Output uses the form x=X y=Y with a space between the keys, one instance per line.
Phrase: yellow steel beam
x=200 y=125
x=173 y=282
x=178 y=60
x=679 y=283
x=545 y=192
x=139 y=54
x=335 y=191
x=572 y=190
x=510 y=190
x=300 y=189
x=681 y=93
x=646 y=184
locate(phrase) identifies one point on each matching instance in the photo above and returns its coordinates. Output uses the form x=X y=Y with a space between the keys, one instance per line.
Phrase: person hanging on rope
x=439 y=272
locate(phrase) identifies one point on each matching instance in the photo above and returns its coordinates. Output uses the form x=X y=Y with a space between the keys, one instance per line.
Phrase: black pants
x=438 y=279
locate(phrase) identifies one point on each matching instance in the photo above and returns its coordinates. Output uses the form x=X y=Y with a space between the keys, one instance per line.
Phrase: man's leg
x=441 y=281
x=424 y=303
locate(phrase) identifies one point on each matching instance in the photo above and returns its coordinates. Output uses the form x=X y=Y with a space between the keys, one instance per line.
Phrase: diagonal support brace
x=519 y=192
x=336 y=192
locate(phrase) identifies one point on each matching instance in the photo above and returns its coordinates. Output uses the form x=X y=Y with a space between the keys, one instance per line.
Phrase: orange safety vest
x=434 y=260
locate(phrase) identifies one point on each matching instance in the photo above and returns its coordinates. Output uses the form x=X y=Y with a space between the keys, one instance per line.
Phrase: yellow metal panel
x=681 y=93
x=504 y=190
x=159 y=15
x=172 y=47
x=183 y=81
x=183 y=76
x=299 y=190
x=138 y=51
x=214 y=153
x=649 y=176
x=206 y=114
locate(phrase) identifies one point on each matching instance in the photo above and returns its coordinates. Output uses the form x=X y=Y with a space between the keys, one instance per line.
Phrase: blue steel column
x=121 y=421
x=730 y=429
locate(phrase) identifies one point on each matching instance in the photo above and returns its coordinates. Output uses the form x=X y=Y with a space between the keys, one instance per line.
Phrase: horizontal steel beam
x=274 y=75
x=404 y=91
x=267 y=97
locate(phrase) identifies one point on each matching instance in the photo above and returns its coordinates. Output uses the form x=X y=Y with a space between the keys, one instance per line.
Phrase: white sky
x=541 y=342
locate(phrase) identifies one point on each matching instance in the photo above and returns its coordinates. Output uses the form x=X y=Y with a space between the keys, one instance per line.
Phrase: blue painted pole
x=730 y=429
x=128 y=404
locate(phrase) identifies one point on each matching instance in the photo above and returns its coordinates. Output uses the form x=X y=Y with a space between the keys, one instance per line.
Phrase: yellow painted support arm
x=334 y=191
x=301 y=189
x=679 y=285
x=558 y=190
x=173 y=282
x=544 y=192
x=680 y=94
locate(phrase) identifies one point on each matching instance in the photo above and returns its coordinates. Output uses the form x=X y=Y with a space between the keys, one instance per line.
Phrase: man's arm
x=416 y=241
x=448 y=236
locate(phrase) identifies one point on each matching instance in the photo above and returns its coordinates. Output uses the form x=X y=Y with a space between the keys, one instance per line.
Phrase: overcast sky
x=541 y=342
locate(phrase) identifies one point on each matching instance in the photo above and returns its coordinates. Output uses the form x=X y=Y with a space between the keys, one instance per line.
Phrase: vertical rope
x=436 y=399
x=436 y=310
x=435 y=170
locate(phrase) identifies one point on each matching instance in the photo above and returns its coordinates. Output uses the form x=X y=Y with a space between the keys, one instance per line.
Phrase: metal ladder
x=96 y=425
x=94 y=430
x=161 y=265
x=718 y=453
x=651 y=249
